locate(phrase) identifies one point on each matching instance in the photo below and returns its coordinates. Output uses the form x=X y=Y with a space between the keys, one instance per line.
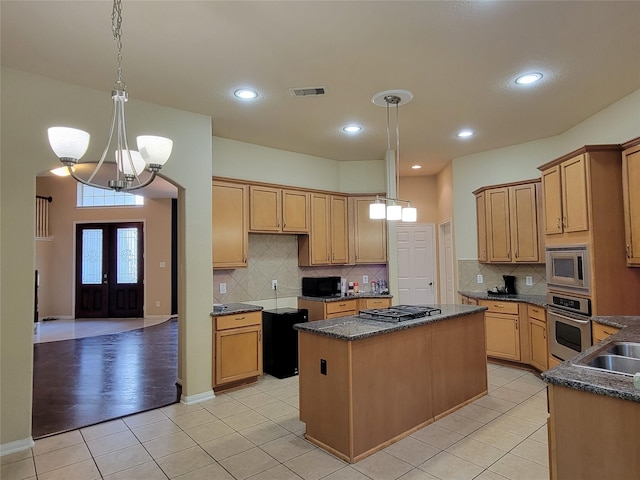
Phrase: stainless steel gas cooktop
x=399 y=313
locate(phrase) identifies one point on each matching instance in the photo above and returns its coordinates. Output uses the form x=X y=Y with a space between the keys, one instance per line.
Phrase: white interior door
x=446 y=263
x=416 y=264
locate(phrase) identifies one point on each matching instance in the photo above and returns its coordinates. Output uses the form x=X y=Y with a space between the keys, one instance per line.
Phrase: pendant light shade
x=409 y=214
x=377 y=210
x=154 y=150
x=136 y=160
x=394 y=212
x=68 y=142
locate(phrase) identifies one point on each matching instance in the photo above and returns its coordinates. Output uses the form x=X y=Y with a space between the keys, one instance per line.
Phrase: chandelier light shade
x=68 y=142
x=134 y=169
x=386 y=207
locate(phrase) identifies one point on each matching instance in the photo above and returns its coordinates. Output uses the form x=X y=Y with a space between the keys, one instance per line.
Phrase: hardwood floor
x=80 y=382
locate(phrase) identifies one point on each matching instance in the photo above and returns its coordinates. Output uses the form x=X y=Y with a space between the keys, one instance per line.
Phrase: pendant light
x=387 y=207
x=70 y=144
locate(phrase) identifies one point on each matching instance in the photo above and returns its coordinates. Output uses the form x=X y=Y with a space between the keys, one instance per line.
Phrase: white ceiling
x=459 y=59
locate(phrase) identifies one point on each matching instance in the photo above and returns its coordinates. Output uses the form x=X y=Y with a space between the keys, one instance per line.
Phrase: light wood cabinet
x=565 y=197
x=369 y=236
x=230 y=224
x=468 y=300
x=276 y=210
x=508 y=223
x=327 y=242
x=366 y=303
x=502 y=323
x=237 y=348
x=601 y=332
x=538 y=337
x=631 y=199
x=319 y=310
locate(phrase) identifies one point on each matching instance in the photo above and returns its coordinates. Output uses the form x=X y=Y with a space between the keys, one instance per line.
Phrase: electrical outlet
x=528 y=280
x=274 y=284
x=157 y=303
x=163 y=265
x=223 y=288
x=479 y=279
x=365 y=279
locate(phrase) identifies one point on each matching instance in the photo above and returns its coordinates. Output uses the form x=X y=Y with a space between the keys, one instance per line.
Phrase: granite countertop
x=334 y=298
x=539 y=300
x=234 y=308
x=569 y=375
x=356 y=328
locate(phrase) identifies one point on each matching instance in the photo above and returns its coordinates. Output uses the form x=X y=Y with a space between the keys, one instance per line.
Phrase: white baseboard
x=17 y=446
x=197 y=398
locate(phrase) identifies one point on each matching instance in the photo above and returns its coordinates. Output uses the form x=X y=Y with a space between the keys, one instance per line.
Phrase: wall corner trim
x=197 y=398
x=17 y=446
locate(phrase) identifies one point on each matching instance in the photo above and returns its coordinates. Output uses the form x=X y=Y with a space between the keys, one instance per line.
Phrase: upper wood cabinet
x=566 y=197
x=508 y=223
x=369 y=236
x=230 y=222
x=631 y=199
x=327 y=242
x=275 y=210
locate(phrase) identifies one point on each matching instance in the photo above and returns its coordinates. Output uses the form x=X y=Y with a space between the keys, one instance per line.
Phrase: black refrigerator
x=280 y=340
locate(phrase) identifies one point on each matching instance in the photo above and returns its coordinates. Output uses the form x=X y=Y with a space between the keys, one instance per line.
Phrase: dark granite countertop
x=539 y=300
x=335 y=298
x=234 y=308
x=570 y=375
x=355 y=328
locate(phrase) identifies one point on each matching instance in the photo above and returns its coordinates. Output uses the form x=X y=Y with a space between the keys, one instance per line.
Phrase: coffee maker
x=509 y=284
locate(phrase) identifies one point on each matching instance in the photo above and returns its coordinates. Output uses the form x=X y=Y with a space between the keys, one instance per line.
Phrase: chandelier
x=390 y=207
x=70 y=144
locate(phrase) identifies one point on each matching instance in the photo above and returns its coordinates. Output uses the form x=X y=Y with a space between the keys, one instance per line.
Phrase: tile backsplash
x=275 y=257
x=468 y=271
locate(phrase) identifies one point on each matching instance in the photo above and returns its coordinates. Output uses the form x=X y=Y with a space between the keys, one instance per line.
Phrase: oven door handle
x=570 y=318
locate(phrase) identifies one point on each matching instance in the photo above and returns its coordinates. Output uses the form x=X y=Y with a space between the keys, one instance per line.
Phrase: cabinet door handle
x=629 y=251
x=517 y=321
x=558 y=225
x=564 y=222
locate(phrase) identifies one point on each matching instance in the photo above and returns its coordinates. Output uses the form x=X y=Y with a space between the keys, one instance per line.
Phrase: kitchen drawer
x=348 y=307
x=501 y=307
x=601 y=332
x=225 y=322
x=538 y=313
x=365 y=303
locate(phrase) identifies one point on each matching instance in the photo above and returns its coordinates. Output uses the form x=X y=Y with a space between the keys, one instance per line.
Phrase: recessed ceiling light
x=416 y=167
x=245 y=93
x=352 y=128
x=465 y=133
x=528 y=78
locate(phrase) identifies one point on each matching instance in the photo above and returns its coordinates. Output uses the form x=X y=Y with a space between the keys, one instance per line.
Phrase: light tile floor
x=65 y=329
x=255 y=433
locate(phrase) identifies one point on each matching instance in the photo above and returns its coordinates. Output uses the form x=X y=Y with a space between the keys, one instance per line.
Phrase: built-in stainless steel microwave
x=568 y=268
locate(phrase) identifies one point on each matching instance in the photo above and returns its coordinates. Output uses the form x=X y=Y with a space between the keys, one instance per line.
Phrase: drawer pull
x=498 y=305
x=240 y=318
x=342 y=305
x=608 y=332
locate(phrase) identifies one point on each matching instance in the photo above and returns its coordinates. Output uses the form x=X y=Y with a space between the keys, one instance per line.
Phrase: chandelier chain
x=116 y=27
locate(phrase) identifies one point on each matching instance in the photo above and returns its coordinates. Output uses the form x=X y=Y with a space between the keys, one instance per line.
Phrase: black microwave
x=320 y=286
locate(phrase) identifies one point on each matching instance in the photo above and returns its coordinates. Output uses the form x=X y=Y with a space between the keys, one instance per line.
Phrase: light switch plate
x=528 y=280
x=223 y=288
x=479 y=279
x=365 y=279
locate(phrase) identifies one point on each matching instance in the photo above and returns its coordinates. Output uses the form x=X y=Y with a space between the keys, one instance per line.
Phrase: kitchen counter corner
x=234 y=308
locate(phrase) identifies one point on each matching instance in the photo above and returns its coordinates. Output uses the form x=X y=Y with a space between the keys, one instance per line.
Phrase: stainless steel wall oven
x=569 y=319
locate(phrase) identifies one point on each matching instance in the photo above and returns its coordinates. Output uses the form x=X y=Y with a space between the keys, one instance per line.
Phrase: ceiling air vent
x=307 y=91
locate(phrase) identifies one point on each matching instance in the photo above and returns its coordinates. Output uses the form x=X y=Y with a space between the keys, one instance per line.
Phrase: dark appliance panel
x=320 y=286
x=280 y=340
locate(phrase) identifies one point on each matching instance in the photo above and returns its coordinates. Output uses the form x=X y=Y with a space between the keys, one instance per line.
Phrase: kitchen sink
x=625 y=349
x=616 y=364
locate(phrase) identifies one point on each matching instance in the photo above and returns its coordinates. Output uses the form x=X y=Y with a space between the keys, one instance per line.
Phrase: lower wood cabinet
x=469 y=300
x=538 y=337
x=237 y=348
x=365 y=303
x=502 y=323
x=601 y=332
x=320 y=310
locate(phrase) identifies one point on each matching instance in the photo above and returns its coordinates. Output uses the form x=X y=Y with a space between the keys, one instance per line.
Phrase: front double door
x=109 y=270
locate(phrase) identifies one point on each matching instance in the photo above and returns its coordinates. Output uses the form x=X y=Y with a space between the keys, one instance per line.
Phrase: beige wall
x=30 y=104
x=422 y=192
x=445 y=194
x=55 y=259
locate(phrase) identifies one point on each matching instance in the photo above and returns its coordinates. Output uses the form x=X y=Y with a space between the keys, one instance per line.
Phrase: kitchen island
x=594 y=415
x=365 y=384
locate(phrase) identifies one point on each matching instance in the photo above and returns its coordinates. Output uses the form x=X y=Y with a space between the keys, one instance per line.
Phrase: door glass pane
x=91 y=256
x=127 y=255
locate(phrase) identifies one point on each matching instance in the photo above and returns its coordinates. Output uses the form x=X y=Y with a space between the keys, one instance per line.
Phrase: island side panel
x=325 y=399
x=458 y=362
x=592 y=436
x=391 y=379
